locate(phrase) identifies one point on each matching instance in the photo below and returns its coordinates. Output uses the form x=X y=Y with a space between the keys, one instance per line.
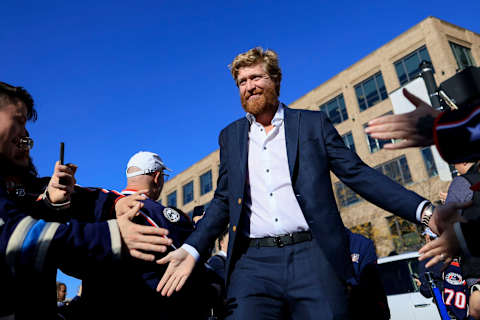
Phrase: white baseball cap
x=147 y=162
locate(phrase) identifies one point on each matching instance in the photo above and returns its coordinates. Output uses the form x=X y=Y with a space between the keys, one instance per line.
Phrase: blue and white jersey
x=455 y=291
x=33 y=245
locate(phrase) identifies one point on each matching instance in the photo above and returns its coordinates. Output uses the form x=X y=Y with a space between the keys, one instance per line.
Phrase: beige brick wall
x=193 y=173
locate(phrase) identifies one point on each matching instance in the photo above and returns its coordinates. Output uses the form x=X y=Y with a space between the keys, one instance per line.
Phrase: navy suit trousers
x=291 y=282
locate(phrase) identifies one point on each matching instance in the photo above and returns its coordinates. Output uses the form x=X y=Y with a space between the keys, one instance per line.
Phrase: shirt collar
x=277 y=118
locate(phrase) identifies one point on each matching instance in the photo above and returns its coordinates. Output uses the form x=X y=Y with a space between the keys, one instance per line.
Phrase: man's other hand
x=61 y=183
x=403 y=126
x=124 y=204
x=140 y=239
x=180 y=266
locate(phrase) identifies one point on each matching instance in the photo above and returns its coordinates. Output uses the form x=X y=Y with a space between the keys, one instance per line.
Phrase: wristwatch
x=427 y=214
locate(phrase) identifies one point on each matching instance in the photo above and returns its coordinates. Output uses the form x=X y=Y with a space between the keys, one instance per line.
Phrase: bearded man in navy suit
x=288 y=254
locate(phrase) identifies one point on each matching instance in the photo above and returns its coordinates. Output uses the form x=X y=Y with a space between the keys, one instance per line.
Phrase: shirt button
x=268 y=170
x=276 y=219
x=261 y=129
x=271 y=194
x=264 y=148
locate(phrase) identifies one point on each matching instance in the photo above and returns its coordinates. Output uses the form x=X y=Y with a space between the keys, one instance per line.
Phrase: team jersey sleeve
x=30 y=244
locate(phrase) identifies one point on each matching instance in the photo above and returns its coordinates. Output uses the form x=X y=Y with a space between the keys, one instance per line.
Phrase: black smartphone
x=62 y=152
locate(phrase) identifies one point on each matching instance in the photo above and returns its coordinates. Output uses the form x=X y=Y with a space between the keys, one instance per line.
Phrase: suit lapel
x=292 y=124
x=242 y=138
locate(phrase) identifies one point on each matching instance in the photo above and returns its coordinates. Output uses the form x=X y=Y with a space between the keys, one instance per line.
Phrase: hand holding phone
x=62 y=152
x=62 y=183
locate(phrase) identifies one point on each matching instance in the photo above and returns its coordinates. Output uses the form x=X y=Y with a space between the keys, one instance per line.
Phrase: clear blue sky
x=110 y=78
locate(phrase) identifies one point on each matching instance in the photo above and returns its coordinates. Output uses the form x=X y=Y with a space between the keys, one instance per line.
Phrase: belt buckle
x=278 y=241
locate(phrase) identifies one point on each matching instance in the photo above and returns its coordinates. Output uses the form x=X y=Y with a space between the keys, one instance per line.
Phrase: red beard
x=264 y=100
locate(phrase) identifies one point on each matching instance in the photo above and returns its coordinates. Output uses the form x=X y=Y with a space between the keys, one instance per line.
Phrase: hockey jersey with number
x=455 y=291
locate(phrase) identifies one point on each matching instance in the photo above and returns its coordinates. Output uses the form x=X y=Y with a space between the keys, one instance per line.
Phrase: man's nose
x=250 y=85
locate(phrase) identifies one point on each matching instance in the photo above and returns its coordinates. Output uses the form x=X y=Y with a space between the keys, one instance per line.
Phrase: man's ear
x=156 y=177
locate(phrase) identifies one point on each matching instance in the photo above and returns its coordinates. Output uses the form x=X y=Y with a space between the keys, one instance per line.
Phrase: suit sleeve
x=372 y=185
x=217 y=214
x=34 y=245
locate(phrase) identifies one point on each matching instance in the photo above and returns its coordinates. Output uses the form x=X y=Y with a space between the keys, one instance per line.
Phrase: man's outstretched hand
x=140 y=239
x=404 y=126
x=180 y=266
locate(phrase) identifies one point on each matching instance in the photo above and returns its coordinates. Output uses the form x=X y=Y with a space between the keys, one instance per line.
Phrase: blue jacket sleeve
x=30 y=244
x=217 y=214
x=372 y=185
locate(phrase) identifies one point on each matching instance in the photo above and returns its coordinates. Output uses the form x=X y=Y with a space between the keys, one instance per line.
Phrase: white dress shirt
x=270 y=200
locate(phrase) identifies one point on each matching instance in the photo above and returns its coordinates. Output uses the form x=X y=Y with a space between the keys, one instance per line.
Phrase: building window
x=406 y=235
x=345 y=195
x=188 y=193
x=335 y=109
x=463 y=55
x=429 y=162
x=376 y=144
x=408 y=67
x=396 y=170
x=348 y=140
x=206 y=182
x=371 y=91
x=172 y=199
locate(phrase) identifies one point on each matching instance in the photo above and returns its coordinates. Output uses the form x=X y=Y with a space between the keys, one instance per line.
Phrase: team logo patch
x=355 y=257
x=20 y=192
x=171 y=214
x=454 y=278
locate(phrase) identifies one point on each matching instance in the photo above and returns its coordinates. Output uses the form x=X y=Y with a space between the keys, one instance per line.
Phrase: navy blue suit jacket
x=314 y=148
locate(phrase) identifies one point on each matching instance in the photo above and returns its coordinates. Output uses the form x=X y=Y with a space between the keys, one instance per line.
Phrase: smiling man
x=288 y=254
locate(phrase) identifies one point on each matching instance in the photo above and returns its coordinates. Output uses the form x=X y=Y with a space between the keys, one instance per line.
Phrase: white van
x=404 y=298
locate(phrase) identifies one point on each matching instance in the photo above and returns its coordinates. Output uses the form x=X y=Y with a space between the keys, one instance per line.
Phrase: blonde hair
x=257 y=55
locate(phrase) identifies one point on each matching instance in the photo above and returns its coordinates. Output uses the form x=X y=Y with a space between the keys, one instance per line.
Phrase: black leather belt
x=281 y=241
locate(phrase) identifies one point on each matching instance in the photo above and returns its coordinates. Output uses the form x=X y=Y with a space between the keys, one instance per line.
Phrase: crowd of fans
x=119 y=241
